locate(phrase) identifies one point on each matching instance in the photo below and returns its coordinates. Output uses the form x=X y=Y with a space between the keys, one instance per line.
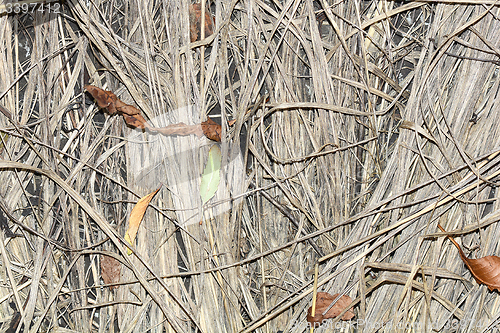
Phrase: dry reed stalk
x=316 y=167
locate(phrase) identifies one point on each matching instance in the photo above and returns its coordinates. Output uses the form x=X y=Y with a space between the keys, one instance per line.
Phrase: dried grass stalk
x=316 y=167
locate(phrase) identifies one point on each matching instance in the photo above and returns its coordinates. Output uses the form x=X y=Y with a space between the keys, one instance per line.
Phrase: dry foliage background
x=359 y=126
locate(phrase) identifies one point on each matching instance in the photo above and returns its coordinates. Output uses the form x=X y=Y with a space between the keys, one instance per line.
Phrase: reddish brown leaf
x=195 y=22
x=211 y=129
x=485 y=270
x=110 y=270
x=323 y=301
x=136 y=121
x=132 y=116
x=105 y=99
x=119 y=105
x=126 y=109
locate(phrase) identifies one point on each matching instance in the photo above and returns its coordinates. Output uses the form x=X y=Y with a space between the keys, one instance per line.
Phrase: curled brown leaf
x=485 y=270
x=105 y=99
x=137 y=121
x=211 y=129
x=323 y=301
x=133 y=118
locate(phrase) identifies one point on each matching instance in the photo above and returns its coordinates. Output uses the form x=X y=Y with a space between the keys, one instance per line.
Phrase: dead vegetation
x=350 y=129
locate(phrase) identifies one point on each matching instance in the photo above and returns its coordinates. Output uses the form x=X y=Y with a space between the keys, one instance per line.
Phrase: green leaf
x=211 y=175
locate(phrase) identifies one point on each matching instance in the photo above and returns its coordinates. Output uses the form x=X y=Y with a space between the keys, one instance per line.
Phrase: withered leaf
x=104 y=98
x=133 y=118
x=136 y=121
x=180 y=129
x=110 y=270
x=126 y=109
x=211 y=129
x=136 y=217
x=195 y=22
x=485 y=270
x=323 y=301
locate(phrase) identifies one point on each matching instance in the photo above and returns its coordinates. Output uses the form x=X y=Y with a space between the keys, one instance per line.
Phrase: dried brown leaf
x=105 y=99
x=126 y=109
x=110 y=270
x=132 y=116
x=485 y=270
x=137 y=121
x=323 y=301
x=212 y=130
x=136 y=217
x=195 y=22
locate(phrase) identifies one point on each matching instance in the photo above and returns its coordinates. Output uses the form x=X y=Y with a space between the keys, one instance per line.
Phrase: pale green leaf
x=211 y=175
